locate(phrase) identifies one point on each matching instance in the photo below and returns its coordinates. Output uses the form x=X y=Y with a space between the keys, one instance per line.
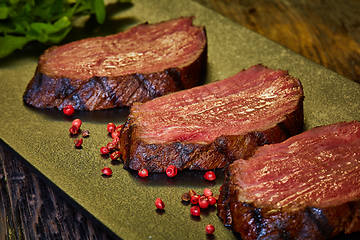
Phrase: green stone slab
x=124 y=203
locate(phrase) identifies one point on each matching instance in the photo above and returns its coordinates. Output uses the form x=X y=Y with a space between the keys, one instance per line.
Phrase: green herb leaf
x=4 y=11
x=9 y=43
x=14 y=2
x=5 y=28
x=60 y=29
x=99 y=9
x=47 y=32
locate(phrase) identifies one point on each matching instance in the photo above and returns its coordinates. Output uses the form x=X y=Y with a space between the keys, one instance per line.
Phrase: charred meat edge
x=309 y=222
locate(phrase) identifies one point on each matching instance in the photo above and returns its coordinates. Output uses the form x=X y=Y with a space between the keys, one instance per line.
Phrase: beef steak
x=204 y=127
x=307 y=187
x=144 y=62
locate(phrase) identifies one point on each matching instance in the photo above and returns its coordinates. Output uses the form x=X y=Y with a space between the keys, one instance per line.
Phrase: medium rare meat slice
x=307 y=187
x=204 y=127
x=145 y=62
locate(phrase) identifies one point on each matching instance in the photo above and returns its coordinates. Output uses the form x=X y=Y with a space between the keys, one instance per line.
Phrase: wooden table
x=328 y=32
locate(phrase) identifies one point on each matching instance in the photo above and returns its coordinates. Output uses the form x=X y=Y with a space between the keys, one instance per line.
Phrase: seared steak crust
x=99 y=93
x=266 y=223
x=113 y=77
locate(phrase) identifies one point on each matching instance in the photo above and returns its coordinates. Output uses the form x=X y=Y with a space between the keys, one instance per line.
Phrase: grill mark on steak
x=146 y=84
x=142 y=63
x=37 y=81
x=258 y=221
x=283 y=234
x=319 y=218
x=136 y=89
x=143 y=82
x=109 y=91
x=279 y=231
x=64 y=89
x=92 y=93
x=285 y=130
x=75 y=101
x=354 y=223
x=174 y=74
x=184 y=152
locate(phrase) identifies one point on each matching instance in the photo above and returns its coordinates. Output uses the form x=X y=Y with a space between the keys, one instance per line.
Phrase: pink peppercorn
x=143 y=173
x=73 y=130
x=210 y=229
x=104 y=150
x=111 y=127
x=159 y=204
x=106 y=171
x=77 y=123
x=195 y=211
x=78 y=142
x=203 y=202
x=208 y=192
x=210 y=176
x=171 y=171
x=68 y=110
x=194 y=199
x=212 y=200
x=115 y=134
x=115 y=155
x=111 y=146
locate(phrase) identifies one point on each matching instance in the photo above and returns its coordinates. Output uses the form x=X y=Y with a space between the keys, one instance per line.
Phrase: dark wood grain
x=325 y=31
x=31 y=207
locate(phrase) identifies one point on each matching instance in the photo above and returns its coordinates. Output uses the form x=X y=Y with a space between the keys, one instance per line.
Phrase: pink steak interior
x=319 y=168
x=253 y=99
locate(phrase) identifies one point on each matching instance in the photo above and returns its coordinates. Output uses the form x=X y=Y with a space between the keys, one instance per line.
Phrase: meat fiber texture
x=207 y=126
x=142 y=63
x=307 y=187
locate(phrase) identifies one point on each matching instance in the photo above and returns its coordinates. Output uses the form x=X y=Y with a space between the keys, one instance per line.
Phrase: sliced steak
x=307 y=187
x=145 y=62
x=204 y=127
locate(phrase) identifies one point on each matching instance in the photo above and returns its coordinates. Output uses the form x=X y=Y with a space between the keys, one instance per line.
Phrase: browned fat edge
x=139 y=154
x=98 y=93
